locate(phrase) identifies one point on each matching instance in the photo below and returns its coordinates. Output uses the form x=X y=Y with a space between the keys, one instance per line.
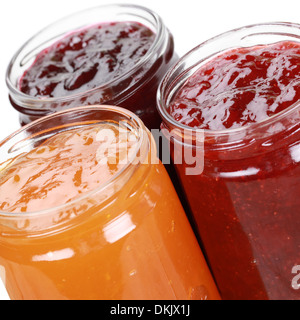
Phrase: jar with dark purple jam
x=113 y=54
x=231 y=110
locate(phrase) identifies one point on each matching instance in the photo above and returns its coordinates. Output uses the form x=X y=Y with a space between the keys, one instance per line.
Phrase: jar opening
x=245 y=37
x=35 y=133
x=106 y=13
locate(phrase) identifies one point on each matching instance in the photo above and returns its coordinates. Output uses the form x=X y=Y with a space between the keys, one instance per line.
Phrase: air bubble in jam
x=199 y=293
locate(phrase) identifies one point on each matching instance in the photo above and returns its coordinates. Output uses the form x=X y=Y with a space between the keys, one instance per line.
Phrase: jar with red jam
x=114 y=54
x=88 y=212
x=232 y=105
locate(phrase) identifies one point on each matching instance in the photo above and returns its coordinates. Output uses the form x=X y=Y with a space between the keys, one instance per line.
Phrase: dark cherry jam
x=246 y=200
x=86 y=59
x=240 y=87
x=117 y=63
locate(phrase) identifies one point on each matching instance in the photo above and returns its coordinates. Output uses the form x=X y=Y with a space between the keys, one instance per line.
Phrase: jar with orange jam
x=89 y=212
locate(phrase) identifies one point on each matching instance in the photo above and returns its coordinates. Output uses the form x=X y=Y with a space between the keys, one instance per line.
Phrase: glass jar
x=129 y=238
x=134 y=90
x=244 y=195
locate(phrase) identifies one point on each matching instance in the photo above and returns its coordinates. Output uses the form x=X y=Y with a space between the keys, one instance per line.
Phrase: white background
x=190 y=21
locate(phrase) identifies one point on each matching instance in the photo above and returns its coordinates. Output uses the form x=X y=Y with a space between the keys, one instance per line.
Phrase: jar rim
x=170 y=122
x=159 y=38
x=134 y=121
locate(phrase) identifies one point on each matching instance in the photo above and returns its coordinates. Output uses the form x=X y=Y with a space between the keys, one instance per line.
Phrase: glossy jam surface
x=101 y=64
x=240 y=87
x=87 y=59
x=246 y=201
x=63 y=168
x=136 y=243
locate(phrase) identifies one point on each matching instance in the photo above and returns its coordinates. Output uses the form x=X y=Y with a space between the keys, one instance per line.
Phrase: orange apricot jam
x=85 y=214
x=62 y=168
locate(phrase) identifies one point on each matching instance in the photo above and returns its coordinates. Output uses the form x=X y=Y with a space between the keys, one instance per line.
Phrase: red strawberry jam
x=246 y=200
x=240 y=87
